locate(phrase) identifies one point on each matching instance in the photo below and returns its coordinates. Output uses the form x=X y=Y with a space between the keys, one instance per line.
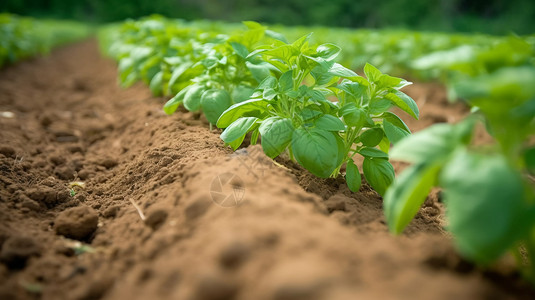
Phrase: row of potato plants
x=23 y=37
x=293 y=96
x=298 y=100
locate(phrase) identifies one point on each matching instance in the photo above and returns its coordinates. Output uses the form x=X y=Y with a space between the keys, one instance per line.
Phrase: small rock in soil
x=57 y=160
x=111 y=211
x=26 y=202
x=234 y=254
x=17 y=249
x=212 y=287
x=85 y=174
x=77 y=223
x=43 y=194
x=156 y=218
x=197 y=208
x=336 y=202
x=64 y=172
x=108 y=163
x=7 y=151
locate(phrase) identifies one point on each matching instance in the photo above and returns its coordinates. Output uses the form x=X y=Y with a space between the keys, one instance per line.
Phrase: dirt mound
x=103 y=196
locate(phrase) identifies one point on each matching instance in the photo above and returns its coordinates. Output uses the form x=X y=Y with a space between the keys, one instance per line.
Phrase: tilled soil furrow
x=103 y=196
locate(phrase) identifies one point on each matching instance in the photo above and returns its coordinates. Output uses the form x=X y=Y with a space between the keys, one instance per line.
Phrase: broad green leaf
x=484 y=204
x=316 y=150
x=371 y=137
x=395 y=120
x=434 y=143
x=239 y=110
x=192 y=99
x=404 y=102
x=353 y=178
x=387 y=81
x=394 y=133
x=177 y=72
x=284 y=52
x=379 y=173
x=384 y=145
x=327 y=51
x=240 y=49
x=259 y=71
x=329 y=123
x=269 y=94
x=372 y=153
x=156 y=84
x=276 y=135
x=286 y=81
x=241 y=93
x=379 y=106
x=172 y=105
x=372 y=73
x=407 y=193
x=269 y=82
x=237 y=129
x=276 y=35
x=237 y=142
x=341 y=71
x=213 y=103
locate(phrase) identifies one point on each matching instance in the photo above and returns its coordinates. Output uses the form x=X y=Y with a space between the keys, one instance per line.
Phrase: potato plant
x=488 y=191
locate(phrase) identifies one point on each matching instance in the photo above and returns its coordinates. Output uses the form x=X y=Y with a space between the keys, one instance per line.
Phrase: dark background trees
x=491 y=16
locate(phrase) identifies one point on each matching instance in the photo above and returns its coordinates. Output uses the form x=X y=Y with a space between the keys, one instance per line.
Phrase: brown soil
x=149 y=221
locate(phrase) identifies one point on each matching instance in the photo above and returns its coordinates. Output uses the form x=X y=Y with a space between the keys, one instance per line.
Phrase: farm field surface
x=104 y=196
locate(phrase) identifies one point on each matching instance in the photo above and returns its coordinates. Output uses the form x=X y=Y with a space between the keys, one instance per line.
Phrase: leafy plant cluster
x=425 y=55
x=488 y=190
x=292 y=97
x=22 y=37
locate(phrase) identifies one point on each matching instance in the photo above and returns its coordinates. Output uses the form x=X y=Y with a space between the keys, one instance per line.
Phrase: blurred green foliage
x=492 y=16
x=23 y=37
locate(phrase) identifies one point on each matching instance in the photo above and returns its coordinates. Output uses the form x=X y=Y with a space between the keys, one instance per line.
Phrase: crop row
x=298 y=100
x=23 y=37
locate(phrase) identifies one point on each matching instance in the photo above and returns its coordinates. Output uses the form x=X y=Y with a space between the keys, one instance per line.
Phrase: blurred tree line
x=490 y=16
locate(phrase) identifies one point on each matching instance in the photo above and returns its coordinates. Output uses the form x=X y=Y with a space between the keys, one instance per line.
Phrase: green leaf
x=404 y=102
x=372 y=73
x=259 y=71
x=529 y=158
x=178 y=71
x=276 y=135
x=172 y=105
x=341 y=71
x=241 y=93
x=371 y=137
x=237 y=129
x=372 y=153
x=192 y=99
x=240 y=49
x=237 y=142
x=327 y=51
x=387 y=81
x=156 y=84
x=379 y=106
x=379 y=173
x=213 y=103
x=353 y=178
x=484 y=204
x=329 y=123
x=276 y=35
x=286 y=81
x=316 y=150
x=239 y=110
x=408 y=192
x=394 y=133
x=434 y=143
